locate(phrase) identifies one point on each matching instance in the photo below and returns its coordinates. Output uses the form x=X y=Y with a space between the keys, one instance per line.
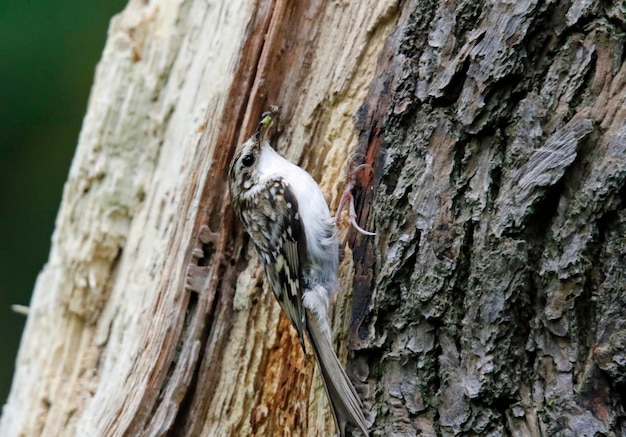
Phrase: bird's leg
x=346 y=196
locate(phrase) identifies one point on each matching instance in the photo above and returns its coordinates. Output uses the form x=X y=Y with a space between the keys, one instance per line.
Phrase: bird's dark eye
x=248 y=160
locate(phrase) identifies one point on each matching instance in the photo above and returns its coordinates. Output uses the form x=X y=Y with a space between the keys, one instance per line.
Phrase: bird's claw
x=347 y=197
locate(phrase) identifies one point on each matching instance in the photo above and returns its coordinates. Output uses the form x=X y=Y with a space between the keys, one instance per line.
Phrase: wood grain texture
x=150 y=317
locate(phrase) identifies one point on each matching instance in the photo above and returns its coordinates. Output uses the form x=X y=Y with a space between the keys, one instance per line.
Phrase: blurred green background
x=48 y=54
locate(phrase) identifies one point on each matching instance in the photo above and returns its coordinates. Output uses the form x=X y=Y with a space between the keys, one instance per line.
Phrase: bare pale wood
x=146 y=318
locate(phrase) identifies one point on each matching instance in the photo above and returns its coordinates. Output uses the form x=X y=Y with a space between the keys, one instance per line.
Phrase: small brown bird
x=284 y=211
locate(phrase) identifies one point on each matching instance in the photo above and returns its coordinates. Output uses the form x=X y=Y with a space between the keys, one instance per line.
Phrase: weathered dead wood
x=150 y=317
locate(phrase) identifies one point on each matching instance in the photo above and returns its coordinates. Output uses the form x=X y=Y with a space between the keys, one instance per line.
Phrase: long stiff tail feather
x=345 y=403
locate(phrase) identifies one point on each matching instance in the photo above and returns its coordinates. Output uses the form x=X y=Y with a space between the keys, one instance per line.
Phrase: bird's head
x=243 y=172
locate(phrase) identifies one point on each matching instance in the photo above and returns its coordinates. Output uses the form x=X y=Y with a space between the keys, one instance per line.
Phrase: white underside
x=314 y=213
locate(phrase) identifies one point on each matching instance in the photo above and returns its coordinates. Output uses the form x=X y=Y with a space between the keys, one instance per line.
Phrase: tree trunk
x=491 y=301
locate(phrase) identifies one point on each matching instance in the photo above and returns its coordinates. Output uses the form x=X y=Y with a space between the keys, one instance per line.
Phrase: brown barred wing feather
x=272 y=219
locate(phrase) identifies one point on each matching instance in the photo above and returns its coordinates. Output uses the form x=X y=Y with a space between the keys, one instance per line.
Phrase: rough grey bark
x=497 y=294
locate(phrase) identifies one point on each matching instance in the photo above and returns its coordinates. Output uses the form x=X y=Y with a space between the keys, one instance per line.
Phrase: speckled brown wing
x=272 y=219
